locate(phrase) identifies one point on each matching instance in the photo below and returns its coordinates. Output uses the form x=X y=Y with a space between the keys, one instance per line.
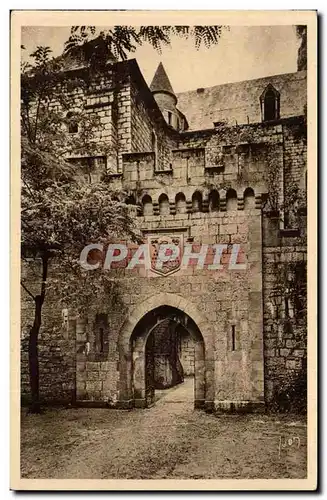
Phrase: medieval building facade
x=212 y=166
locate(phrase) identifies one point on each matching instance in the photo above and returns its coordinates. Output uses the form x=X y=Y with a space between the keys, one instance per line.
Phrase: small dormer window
x=270 y=104
x=72 y=123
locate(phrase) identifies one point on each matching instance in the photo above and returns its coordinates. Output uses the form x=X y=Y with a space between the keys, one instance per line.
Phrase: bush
x=291 y=395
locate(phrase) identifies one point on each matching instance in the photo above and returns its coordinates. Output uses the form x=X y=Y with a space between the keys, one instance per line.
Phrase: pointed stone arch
x=164 y=299
x=132 y=350
x=270 y=103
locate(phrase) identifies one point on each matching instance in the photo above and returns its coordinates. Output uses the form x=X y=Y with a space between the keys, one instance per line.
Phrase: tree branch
x=28 y=188
x=38 y=112
x=27 y=291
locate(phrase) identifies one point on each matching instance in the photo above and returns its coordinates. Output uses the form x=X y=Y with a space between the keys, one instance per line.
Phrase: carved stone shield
x=171 y=265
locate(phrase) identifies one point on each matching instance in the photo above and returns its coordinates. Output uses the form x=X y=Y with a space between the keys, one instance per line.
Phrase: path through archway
x=167 y=346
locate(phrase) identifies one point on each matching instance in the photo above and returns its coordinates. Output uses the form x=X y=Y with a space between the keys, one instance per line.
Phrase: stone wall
x=284 y=326
x=162 y=350
x=295 y=150
x=187 y=355
x=239 y=102
x=149 y=132
x=227 y=298
x=57 y=339
x=124 y=142
x=284 y=271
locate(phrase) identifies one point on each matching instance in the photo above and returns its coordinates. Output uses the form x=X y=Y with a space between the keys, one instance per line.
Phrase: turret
x=166 y=99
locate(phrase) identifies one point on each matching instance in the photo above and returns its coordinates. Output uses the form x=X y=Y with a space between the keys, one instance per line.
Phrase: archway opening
x=213 y=201
x=147 y=205
x=164 y=208
x=231 y=200
x=249 y=199
x=197 y=202
x=180 y=203
x=167 y=352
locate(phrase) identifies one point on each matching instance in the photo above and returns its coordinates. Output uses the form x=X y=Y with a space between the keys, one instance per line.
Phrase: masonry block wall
x=57 y=339
x=284 y=270
x=205 y=105
x=149 y=131
x=187 y=354
x=231 y=300
x=125 y=119
x=284 y=325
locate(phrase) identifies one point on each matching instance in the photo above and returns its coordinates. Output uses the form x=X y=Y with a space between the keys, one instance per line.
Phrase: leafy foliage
x=46 y=110
x=119 y=41
x=293 y=395
x=301 y=32
x=60 y=212
x=288 y=319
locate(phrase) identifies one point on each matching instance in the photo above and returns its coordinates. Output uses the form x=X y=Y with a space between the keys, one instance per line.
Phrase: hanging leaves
x=120 y=41
x=60 y=212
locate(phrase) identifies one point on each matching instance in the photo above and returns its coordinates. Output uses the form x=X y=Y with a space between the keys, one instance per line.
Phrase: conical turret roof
x=160 y=82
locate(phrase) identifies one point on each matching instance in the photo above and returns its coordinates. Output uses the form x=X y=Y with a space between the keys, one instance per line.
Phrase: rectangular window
x=169 y=117
x=233 y=339
x=101 y=339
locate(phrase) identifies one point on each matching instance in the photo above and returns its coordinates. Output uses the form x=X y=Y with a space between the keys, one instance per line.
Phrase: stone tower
x=166 y=99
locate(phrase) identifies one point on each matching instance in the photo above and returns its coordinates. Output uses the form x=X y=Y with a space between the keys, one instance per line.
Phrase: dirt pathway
x=169 y=440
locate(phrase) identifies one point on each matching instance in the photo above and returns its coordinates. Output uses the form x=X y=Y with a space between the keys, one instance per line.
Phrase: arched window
x=72 y=123
x=164 y=208
x=249 y=200
x=270 y=104
x=231 y=200
x=197 y=202
x=147 y=205
x=180 y=203
x=214 y=201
